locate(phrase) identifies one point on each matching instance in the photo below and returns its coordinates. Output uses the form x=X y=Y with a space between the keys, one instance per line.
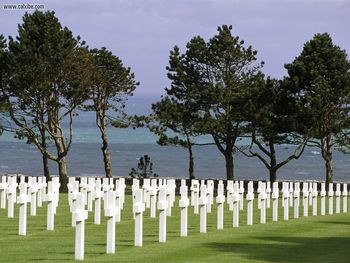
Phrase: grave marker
x=268 y=194
x=50 y=199
x=250 y=199
x=305 y=199
x=314 y=199
x=262 y=197
x=33 y=189
x=275 y=196
x=330 y=198
x=110 y=213
x=220 y=200
x=296 y=196
x=183 y=204
x=162 y=206
x=195 y=195
x=3 y=188
x=202 y=209
x=11 y=195
x=80 y=215
x=97 y=195
x=345 y=197
x=323 y=199
x=285 y=192
x=153 y=198
x=337 y=199
x=138 y=209
x=22 y=200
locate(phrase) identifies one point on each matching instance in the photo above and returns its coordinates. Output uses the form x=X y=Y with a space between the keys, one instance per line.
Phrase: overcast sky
x=143 y=32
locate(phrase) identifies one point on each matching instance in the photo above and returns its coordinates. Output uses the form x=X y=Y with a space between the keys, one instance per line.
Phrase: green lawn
x=311 y=239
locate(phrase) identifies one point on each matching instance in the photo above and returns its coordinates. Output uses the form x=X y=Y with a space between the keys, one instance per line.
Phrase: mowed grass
x=307 y=239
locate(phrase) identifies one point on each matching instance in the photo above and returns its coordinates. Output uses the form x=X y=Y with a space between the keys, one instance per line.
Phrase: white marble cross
x=229 y=192
x=153 y=198
x=138 y=209
x=169 y=199
x=97 y=195
x=291 y=193
x=50 y=199
x=314 y=199
x=110 y=212
x=210 y=193
x=172 y=184
x=43 y=189
x=105 y=188
x=146 y=188
x=11 y=195
x=22 y=200
x=118 y=200
x=73 y=196
x=235 y=204
x=3 y=188
x=83 y=185
x=305 y=199
x=183 y=204
x=285 y=193
x=330 y=199
x=202 y=201
x=250 y=199
x=70 y=185
x=310 y=193
x=345 y=197
x=323 y=199
x=296 y=196
x=258 y=191
x=275 y=196
x=162 y=207
x=122 y=187
x=268 y=194
x=337 y=199
x=40 y=192
x=56 y=191
x=241 y=194
x=262 y=197
x=220 y=200
x=80 y=215
x=89 y=190
x=195 y=195
x=135 y=186
x=33 y=189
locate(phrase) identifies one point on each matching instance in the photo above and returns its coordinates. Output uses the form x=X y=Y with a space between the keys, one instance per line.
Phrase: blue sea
x=128 y=145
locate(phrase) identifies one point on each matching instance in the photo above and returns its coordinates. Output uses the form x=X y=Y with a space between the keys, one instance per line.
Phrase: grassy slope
x=311 y=239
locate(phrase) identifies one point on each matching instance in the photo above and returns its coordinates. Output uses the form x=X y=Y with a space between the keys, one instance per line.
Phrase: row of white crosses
x=89 y=193
x=33 y=192
x=159 y=194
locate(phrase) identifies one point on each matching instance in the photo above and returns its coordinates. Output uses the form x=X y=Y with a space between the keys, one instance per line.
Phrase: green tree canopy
x=321 y=79
x=111 y=85
x=272 y=116
x=48 y=68
x=217 y=76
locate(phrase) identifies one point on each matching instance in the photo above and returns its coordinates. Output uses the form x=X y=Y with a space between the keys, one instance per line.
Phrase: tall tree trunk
x=62 y=165
x=191 y=158
x=105 y=151
x=329 y=168
x=62 y=170
x=273 y=162
x=229 y=164
x=45 y=159
x=46 y=168
x=326 y=150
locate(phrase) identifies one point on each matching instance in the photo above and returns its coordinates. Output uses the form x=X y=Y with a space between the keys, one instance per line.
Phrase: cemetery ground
x=308 y=239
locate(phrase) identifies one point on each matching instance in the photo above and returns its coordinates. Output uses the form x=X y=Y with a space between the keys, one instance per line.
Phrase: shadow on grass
x=289 y=249
x=336 y=222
